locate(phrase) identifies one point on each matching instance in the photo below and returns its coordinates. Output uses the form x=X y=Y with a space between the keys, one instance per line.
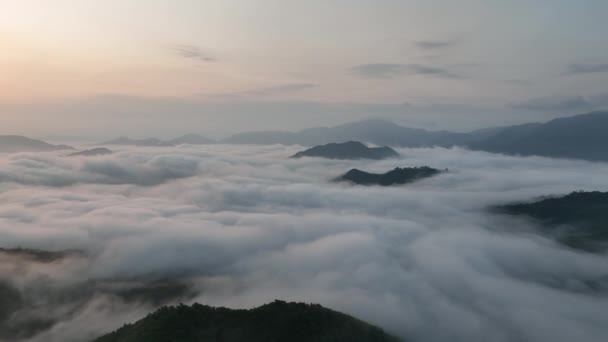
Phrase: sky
x=160 y=67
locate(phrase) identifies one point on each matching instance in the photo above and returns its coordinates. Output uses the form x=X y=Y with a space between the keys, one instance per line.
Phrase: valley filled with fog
x=242 y=225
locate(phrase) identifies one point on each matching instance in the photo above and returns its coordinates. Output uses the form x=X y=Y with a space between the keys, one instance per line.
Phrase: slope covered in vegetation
x=277 y=321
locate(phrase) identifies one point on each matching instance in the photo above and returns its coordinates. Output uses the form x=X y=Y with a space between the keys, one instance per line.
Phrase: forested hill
x=275 y=322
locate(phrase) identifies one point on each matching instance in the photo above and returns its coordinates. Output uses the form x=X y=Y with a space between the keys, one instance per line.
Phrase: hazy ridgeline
x=240 y=226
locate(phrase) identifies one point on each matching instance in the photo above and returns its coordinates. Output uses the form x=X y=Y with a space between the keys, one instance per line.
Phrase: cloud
x=192 y=52
x=247 y=225
x=268 y=91
x=568 y=103
x=283 y=88
x=379 y=70
x=587 y=68
x=385 y=70
x=417 y=69
x=516 y=82
x=125 y=168
x=433 y=44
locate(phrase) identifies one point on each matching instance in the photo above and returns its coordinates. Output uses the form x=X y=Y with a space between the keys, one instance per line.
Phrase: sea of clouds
x=239 y=226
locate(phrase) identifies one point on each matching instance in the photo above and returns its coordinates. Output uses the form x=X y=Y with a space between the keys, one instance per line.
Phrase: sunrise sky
x=70 y=67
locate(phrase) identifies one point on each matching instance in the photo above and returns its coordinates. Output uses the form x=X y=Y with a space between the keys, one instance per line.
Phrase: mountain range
x=193 y=139
x=580 y=137
x=374 y=131
x=17 y=143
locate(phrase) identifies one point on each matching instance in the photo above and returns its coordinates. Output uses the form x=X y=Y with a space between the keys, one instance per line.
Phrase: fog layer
x=243 y=225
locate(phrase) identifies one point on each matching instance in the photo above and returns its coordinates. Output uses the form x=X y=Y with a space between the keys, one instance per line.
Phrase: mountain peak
x=396 y=176
x=348 y=150
x=276 y=321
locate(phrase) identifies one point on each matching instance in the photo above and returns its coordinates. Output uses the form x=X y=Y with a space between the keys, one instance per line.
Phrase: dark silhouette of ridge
x=394 y=177
x=348 y=150
x=39 y=255
x=277 y=321
x=579 y=219
x=580 y=137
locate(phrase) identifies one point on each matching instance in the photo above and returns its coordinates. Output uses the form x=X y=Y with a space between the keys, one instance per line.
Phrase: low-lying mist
x=240 y=226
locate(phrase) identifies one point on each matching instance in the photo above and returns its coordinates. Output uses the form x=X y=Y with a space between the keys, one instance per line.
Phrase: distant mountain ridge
x=582 y=136
x=577 y=137
x=193 y=139
x=348 y=150
x=17 y=143
x=375 y=131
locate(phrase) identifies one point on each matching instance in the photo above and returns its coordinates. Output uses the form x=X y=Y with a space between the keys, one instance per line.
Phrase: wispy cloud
x=285 y=88
x=379 y=70
x=387 y=70
x=266 y=91
x=192 y=52
x=587 y=68
x=433 y=44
